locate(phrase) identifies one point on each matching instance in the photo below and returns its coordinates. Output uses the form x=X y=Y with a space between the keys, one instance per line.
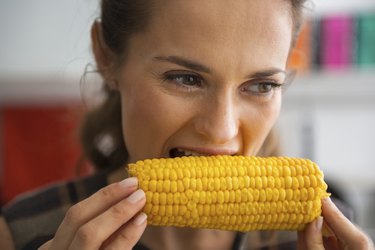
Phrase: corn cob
x=231 y=192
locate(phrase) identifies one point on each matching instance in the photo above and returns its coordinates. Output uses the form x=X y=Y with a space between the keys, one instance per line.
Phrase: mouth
x=179 y=152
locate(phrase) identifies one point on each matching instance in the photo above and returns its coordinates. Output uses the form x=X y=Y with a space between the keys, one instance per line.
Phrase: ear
x=104 y=56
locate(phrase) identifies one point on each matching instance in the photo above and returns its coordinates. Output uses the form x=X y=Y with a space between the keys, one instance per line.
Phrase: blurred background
x=328 y=113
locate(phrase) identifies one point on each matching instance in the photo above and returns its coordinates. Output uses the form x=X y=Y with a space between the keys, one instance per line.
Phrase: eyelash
x=198 y=83
x=271 y=84
x=196 y=80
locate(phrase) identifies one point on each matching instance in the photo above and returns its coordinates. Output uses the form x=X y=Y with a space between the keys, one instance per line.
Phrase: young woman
x=183 y=78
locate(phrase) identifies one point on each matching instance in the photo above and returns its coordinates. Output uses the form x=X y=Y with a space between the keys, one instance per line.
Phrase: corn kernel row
x=231 y=192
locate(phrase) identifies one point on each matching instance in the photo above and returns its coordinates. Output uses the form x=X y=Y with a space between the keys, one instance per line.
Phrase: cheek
x=149 y=119
x=274 y=109
x=261 y=120
x=271 y=113
x=142 y=123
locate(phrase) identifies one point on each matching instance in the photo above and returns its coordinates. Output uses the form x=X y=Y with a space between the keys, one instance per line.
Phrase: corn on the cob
x=231 y=192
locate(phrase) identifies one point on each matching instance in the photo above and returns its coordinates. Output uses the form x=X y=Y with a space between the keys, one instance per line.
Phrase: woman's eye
x=185 y=80
x=261 y=88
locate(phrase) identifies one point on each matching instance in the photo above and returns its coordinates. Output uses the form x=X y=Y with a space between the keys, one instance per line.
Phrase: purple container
x=337 y=42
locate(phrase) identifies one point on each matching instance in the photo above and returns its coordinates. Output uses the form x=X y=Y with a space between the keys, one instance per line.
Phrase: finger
x=327 y=231
x=346 y=232
x=129 y=235
x=331 y=243
x=95 y=232
x=89 y=208
x=312 y=235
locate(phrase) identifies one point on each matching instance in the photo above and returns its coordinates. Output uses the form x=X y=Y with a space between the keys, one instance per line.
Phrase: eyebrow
x=267 y=73
x=184 y=63
x=202 y=68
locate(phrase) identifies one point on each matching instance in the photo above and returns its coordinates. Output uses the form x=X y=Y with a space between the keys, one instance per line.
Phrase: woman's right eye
x=185 y=80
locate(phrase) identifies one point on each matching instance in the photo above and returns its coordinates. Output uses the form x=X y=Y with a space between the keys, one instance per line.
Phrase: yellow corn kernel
x=231 y=192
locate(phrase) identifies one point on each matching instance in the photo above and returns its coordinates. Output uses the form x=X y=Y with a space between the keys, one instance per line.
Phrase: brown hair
x=120 y=19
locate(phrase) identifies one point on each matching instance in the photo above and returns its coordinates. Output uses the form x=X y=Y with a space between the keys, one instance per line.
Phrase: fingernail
x=140 y=219
x=319 y=223
x=327 y=231
x=129 y=182
x=136 y=196
x=328 y=199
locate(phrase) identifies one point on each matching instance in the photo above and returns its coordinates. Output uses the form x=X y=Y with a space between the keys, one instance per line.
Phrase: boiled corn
x=231 y=192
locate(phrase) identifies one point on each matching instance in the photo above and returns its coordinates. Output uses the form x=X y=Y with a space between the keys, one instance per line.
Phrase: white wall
x=340 y=6
x=45 y=36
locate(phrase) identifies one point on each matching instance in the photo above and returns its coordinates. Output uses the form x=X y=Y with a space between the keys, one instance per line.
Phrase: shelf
x=352 y=85
x=328 y=86
x=324 y=7
x=39 y=89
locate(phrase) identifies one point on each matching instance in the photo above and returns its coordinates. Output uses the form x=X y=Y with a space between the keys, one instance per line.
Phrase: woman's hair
x=101 y=131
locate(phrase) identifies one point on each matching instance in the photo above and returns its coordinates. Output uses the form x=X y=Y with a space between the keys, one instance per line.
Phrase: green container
x=366 y=40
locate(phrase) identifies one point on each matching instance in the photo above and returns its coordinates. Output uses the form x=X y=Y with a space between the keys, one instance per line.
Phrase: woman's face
x=204 y=78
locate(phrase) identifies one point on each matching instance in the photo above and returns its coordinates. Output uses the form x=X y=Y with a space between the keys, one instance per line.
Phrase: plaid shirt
x=34 y=217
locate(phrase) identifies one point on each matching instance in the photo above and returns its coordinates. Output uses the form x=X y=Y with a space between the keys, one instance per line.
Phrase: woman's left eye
x=261 y=88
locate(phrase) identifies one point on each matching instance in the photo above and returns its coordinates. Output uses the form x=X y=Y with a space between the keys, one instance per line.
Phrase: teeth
x=178 y=152
x=191 y=153
x=187 y=153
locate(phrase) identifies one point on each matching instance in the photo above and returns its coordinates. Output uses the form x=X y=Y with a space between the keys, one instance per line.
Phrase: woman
x=184 y=78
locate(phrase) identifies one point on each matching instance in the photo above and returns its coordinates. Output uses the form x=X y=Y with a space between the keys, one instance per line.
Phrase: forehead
x=209 y=26
x=255 y=16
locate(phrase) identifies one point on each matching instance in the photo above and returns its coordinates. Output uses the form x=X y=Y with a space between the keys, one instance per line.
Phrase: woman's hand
x=345 y=235
x=109 y=218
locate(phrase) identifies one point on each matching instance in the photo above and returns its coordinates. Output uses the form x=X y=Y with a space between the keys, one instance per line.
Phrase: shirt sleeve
x=34 y=217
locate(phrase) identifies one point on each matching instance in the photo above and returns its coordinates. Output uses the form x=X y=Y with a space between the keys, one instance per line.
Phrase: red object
x=39 y=145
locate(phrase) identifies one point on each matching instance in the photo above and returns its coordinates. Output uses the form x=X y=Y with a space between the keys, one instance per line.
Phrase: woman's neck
x=167 y=238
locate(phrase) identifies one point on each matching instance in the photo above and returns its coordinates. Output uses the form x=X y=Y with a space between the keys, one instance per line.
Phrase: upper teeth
x=190 y=153
x=178 y=152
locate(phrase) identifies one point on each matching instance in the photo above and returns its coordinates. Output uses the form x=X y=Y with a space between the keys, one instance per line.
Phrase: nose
x=218 y=121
